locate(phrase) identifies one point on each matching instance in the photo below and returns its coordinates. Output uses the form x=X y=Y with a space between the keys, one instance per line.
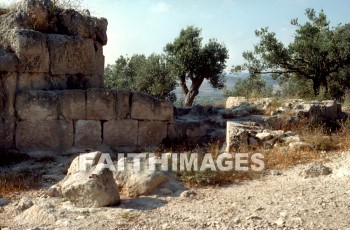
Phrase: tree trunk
x=183 y=84
x=193 y=92
x=316 y=86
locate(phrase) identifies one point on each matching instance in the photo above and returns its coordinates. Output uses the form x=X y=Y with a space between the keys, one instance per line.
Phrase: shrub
x=251 y=87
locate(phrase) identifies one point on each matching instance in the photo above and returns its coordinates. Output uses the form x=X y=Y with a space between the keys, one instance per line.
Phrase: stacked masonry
x=51 y=86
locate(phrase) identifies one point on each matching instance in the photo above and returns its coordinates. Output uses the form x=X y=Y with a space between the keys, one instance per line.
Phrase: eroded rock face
x=87 y=184
x=134 y=182
x=44 y=47
x=87 y=189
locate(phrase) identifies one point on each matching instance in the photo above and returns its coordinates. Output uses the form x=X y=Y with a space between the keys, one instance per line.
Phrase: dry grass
x=18 y=181
x=326 y=142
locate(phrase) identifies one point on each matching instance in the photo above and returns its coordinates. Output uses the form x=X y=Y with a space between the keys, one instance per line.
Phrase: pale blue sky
x=146 y=26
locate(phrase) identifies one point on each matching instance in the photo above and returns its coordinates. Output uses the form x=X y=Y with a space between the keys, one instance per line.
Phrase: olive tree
x=318 y=53
x=189 y=59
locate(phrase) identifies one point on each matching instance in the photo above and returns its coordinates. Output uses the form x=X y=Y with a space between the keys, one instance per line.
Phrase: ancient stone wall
x=51 y=81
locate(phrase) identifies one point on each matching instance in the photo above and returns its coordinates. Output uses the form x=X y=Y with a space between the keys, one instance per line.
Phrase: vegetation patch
x=18 y=181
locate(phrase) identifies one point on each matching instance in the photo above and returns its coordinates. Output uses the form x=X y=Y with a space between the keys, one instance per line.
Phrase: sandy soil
x=281 y=200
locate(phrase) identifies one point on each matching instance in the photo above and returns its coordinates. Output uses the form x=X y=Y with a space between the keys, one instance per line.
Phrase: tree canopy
x=189 y=59
x=150 y=75
x=318 y=53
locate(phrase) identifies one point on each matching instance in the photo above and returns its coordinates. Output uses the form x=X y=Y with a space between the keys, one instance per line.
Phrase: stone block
x=8 y=83
x=41 y=81
x=2 y=101
x=72 y=104
x=79 y=81
x=73 y=23
x=123 y=103
x=37 y=105
x=44 y=135
x=88 y=134
x=120 y=133
x=7 y=132
x=145 y=107
x=99 y=59
x=100 y=104
x=31 y=49
x=236 y=136
x=235 y=101
x=8 y=61
x=151 y=133
x=71 y=55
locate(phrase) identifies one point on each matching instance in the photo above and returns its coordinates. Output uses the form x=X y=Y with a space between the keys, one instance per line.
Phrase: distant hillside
x=208 y=94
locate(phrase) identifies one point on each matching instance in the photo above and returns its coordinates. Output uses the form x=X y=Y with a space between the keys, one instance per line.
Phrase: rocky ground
x=287 y=199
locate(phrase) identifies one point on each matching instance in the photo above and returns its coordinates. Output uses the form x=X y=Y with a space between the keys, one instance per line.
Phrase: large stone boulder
x=88 y=184
x=87 y=189
x=137 y=182
x=236 y=136
x=235 y=101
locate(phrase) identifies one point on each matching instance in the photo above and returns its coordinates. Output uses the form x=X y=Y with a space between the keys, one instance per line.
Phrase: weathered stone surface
x=234 y=101
x=8 y=61
x=290 y=139
x=144 y=107
x=301 y=146
x=75 y=24
x=88 y=134
x=99 y=59
x=316 y=170
x=79 y=81
x=84 y=162
x=24 y=203
x=101 y=104
x=8 y=84
x=87 y=189
x=123 y=103
x=72 y=105
x=71 y=55
x=236 y=136
x=7 y=131
x=136 y=183
x=120 y=133
x=35 y=14
x=2 y=101
x=151 y=133
x=264 y=136
x=41 y=81
x=193 y=131
x=37 y=105
x=44 y=135
x=324 y=111
x=54 y=191
x=101 y=30
x=31 y=49
x=38 y=214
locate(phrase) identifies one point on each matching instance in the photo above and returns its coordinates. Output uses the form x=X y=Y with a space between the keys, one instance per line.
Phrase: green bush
x=251 y=87
x=150 y=75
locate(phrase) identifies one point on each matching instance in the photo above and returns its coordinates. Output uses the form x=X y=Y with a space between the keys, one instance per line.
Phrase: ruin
x=52 y=96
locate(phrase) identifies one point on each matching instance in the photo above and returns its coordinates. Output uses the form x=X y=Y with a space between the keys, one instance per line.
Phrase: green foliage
x=251 y=87
x=319 y=54
x=189 y=59
x=150 y=75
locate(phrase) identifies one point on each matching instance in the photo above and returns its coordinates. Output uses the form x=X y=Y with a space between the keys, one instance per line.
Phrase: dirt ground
x=281 y=200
